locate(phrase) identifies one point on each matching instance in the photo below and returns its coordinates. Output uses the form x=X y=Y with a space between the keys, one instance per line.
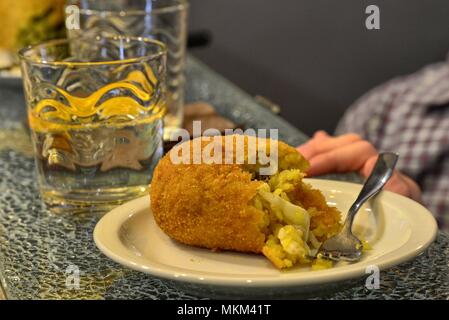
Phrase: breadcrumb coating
x=215 y=205
x=324 y=220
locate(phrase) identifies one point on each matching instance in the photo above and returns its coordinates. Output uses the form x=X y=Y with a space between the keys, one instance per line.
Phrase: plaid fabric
x=410 y=115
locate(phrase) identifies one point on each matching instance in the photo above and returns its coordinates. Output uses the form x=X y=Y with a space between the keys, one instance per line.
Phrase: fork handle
x=382 y=171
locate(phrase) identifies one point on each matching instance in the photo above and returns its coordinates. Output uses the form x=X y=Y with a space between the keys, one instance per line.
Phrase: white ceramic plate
x=397 y=228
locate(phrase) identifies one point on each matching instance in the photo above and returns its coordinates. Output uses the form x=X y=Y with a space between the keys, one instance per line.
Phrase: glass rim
x=39 y=61
x=182 y=5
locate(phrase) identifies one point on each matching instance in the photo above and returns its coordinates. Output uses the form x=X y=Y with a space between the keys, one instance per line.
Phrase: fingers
x=348 y=157
x=398 y=183
x=321 y=135
x=403 y=185
x=395 y=183
x=368 y=166
x=415 y=190
x=307 y=148
x=350 y=152
x=322 y=143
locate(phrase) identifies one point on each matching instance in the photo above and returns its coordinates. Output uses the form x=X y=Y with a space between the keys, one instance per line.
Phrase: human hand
x=350 y=153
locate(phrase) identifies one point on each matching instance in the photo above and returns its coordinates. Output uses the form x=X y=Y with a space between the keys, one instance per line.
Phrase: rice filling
x=287 y=223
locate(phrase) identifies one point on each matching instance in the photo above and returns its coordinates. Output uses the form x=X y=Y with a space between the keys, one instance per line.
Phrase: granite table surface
x=37 y=247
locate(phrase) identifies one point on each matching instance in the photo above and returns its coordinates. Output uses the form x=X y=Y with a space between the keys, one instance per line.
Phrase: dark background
x=315 y=57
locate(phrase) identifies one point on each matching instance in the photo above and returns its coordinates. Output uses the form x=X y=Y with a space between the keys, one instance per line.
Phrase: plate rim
x=118 y=216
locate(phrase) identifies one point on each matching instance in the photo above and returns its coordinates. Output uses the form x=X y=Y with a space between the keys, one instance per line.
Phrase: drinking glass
x=95 y=109
x=163 y=20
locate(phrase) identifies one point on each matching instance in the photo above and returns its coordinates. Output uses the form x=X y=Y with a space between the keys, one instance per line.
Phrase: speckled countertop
x=36 y=247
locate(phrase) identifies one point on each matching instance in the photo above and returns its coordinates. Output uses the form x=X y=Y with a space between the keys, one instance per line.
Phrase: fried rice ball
x=218 y=206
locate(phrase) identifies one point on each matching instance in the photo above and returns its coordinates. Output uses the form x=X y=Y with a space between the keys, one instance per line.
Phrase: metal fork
x=345 y=246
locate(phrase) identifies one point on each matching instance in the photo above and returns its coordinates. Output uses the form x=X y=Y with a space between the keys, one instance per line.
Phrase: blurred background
x=314 y=58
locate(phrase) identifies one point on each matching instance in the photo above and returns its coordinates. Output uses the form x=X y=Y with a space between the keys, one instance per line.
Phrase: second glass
x=163 y=20
x=95 y=111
